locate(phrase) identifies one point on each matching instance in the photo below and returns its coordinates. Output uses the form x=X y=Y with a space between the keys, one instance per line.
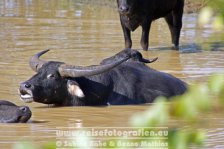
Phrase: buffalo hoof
x=144 y=46
x=176 y=48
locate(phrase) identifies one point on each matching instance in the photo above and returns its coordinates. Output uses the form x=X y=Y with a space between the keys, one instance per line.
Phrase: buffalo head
x=55 y=82
x=126 y=7
x=11 y=113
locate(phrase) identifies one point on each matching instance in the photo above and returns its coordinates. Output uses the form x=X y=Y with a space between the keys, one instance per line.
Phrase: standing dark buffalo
x=142 y=12
x=119 y=80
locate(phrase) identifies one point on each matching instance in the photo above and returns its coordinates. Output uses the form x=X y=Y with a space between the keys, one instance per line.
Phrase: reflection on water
x=84 y=35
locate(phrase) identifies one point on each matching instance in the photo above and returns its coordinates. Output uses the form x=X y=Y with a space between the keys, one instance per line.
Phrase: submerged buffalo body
x=119 y=80
x=134 y=13
x=11 y=113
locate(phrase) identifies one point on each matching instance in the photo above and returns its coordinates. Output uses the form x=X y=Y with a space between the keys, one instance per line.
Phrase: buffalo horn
x=137 y=56
x=35 y=62
x=78 y=71
x=148 y=60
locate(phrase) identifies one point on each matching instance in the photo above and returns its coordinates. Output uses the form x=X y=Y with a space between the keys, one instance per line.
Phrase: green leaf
x=205 y=15
x=216 y=83
x=155 y=116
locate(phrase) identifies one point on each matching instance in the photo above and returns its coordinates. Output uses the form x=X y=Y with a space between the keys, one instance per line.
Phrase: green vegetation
x=212 y=15
x=199 y=100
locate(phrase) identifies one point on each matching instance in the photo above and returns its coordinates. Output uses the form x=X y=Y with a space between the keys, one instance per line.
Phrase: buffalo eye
x=23 y=109
x=51 y=76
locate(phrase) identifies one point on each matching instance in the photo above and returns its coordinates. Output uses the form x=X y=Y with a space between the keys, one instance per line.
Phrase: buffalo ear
x=74 y=89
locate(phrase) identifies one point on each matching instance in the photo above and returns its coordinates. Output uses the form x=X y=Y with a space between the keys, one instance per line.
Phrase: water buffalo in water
x=119 y=80
x=134 y=13
x=11 y=113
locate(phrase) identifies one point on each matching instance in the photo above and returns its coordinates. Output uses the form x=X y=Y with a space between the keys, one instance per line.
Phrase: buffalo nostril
x=124 y=9
x=27 y=85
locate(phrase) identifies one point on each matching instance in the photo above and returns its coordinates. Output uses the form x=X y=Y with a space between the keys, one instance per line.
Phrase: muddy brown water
x=83 y=34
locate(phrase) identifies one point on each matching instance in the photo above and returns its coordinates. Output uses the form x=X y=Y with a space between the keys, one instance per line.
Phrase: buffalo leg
x=177 y=22
x=145 y=35
x=127 y=35
x=169 y=20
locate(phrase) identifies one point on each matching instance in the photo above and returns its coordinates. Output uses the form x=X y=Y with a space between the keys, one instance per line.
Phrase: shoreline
x=191 y=6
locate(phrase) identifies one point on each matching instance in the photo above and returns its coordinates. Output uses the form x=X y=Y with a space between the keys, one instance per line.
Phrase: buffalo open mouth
x=26 y=96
